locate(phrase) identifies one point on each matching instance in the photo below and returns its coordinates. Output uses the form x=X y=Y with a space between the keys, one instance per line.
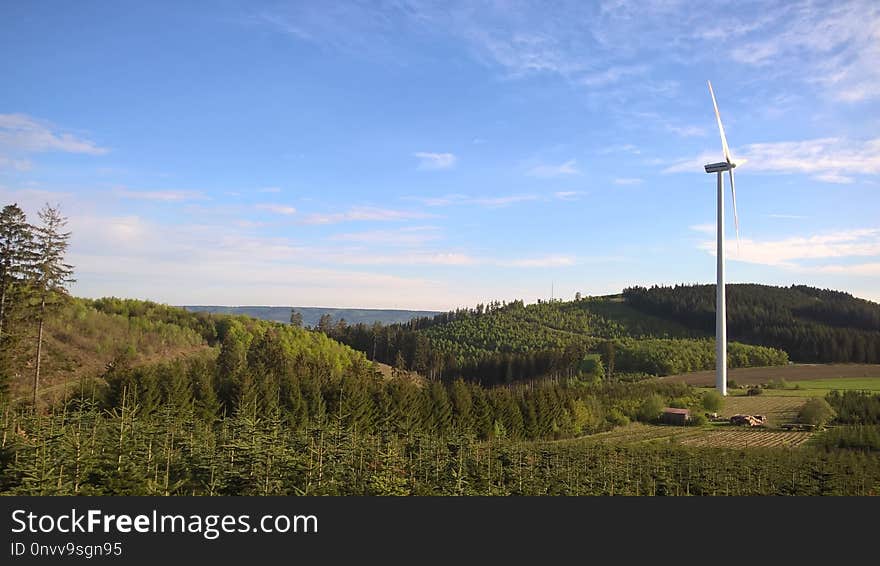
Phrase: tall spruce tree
x=51 y=274
x=17 y=257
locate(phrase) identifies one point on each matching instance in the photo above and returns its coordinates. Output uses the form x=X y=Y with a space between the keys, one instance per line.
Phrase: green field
x=821 y=387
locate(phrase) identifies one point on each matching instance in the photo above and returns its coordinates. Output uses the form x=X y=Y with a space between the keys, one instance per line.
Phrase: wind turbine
x=720 y=298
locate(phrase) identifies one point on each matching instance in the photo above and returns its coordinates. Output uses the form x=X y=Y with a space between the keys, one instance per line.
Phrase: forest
x=501 y=343
x=119 y=396
x=811 y=325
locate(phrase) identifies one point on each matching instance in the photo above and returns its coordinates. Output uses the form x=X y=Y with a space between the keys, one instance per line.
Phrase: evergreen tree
x=52 y=275
x=325 y=324
x=296 y=318
x=17 y=257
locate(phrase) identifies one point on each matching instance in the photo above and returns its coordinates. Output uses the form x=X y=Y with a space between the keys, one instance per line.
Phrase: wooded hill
x=86 y=338
x=812 y=325
x=658 y=331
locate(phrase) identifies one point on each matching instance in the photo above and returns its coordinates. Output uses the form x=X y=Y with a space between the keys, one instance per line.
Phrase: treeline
x=80 y=449
x=812 y=325
x=33 y=285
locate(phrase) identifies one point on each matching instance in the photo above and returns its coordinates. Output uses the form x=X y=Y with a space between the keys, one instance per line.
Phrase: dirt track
x=796 y=372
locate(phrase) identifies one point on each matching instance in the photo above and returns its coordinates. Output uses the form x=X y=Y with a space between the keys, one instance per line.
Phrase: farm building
x=675 y=416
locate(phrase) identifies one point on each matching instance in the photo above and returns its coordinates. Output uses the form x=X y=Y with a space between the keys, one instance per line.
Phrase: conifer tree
x=51 y=273
x=17 y=257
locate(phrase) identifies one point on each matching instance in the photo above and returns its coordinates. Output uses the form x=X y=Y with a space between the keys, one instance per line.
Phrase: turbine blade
x=720 y=126
x=735 y=215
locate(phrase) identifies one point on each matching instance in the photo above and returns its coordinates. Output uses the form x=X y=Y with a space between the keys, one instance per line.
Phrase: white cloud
x=825 y=159
x=861 y=269
x=428 y=160
x=364 y=213
x=703 y=228
x=686 y=131
x=546 y=261
x=26 y=134
x=612 y=75
x=835 y=178
x=277 y=208
x=788 y=216
x=270 y=190
x=562 y=170
x=488 y=202
x=834 y=45
x=621 y=148
x=567 y=195
x=409 y=236
x=163 y=196
x=496 y=202
x=420 y=258
x=628 y=181
x=15 y=164
x=787 y=252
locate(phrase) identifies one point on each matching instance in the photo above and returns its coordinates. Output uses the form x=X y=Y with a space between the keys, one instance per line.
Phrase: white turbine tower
x=720 y=298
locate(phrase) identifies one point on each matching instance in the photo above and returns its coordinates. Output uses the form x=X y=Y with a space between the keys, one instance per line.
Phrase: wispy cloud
x=835 y=178
x=562 y=170
x=414 y=258
x=620 y=148
x=686 y=131
x=364 y=213
x=703 y=228
x=277 y=208
x=270 y=190
x=487 y=201
x=861 y=269
x=408 y=236
x=495 y=202
x=832 y=160
x=428 y=160
x=163 y=196
x=545 y=261
x=612 y=75
x=568 y=195
x=15 y=164
x=787 y=216
x=628 y=181
x=23 y=133
x=832 y=45
x=790 y=252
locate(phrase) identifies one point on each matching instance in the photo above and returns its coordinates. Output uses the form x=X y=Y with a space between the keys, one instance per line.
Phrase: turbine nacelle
x=719 y=167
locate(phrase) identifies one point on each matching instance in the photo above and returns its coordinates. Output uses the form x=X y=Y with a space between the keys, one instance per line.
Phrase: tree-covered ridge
x=508 y=342
x=812 y=325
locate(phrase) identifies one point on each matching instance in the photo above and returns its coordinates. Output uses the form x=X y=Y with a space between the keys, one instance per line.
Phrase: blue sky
x=436 y=154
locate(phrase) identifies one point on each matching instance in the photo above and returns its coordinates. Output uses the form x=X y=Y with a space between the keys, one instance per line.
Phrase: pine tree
x=296 y=318
x=52 y=275
x=17 y=257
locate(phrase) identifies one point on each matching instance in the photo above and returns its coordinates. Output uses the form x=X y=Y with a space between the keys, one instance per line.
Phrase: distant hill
x=659 y=331
x=311 y=315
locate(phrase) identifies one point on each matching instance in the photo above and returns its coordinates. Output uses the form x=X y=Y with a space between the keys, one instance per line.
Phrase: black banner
x=251 y=530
